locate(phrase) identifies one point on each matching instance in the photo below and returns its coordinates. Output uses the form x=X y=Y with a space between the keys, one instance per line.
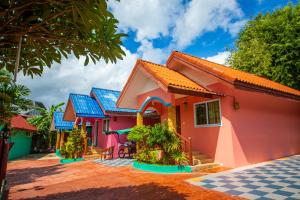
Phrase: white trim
x=207 y=125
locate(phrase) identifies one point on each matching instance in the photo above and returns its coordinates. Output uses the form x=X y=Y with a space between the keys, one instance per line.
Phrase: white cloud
x=148 y=52
x=234 y=28
x=183 y=22
x=202 y=16
x=150 y=19
x=72 y=77
x=220 y=58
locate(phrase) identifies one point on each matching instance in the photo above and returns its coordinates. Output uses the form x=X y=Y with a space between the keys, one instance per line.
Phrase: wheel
x=121 y=153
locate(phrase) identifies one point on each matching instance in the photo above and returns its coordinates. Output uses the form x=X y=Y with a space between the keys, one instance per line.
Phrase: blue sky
x=212 y=42
x=203 y=28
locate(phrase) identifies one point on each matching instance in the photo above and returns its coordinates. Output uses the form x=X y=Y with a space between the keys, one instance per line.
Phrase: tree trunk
x=18 y=59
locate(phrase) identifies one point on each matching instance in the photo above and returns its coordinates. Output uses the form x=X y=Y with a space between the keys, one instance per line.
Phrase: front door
x=178 y=120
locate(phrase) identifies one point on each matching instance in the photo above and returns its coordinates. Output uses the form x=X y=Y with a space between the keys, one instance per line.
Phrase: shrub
x=139 y=135
x=158 y=135
x=63 y=150
x=74 y=144
x=157 y=145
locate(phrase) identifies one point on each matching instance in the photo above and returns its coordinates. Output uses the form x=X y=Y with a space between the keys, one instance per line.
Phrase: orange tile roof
x=170 y=77
x=233 y=75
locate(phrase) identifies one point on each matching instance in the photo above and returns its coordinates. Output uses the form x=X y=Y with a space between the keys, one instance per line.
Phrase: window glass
x=207 y=113
x=213 y=112
x=201 y=114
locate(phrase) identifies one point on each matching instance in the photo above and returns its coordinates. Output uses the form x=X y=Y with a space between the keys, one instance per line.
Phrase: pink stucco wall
x=264 y=128
x=105 y=141
x=122 y=122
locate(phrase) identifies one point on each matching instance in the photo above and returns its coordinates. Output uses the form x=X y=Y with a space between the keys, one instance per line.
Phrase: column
x=171 y=120
x=139 y=119
x=84 y=135
x=57 y=141
x=62 y=139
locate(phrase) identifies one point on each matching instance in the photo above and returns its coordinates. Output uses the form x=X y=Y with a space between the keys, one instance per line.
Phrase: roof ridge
x=149 y=62
x=220 y=64
x=80 y=94
x=105 y=89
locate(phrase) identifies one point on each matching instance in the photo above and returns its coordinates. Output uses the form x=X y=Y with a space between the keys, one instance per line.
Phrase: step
x=91 y=157
x=200 y=156
x=97 y=149
x=202 y=161
x=200 y=167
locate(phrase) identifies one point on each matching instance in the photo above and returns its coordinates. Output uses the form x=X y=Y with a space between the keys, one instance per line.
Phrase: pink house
x=99 y=110
x=234 y=117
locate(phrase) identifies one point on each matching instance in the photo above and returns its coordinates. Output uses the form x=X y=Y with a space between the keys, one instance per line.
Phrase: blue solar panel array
x=86 y=106
x=108 y=100
x=59 y=123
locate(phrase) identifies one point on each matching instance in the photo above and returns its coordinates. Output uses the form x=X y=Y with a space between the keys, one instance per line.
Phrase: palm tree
x=12 y=97
x=43 y=121
x=12 y=101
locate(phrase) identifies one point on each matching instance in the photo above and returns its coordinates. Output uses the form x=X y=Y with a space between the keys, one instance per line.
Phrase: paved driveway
x=279 y=179
x=115 y=162
x=47 y=179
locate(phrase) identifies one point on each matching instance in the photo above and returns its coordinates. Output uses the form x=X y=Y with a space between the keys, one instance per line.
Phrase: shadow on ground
x=28 y=175
x=145 y=191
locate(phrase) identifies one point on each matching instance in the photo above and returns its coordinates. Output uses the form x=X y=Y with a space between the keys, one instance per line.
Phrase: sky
x=155 y=28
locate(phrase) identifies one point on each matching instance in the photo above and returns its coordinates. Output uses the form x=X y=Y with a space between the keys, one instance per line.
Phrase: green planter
x=162 y=169
x=67 y=161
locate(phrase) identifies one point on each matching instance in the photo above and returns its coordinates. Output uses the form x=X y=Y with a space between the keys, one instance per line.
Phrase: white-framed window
x=105 y=125
x=207 y=113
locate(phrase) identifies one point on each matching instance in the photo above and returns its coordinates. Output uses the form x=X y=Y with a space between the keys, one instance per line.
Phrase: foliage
x=43 y=121
x=73 y=148
x=158 y=135
x=139 y=134
x=157 y=145
x=12 y=97
x=269 y=46
x=63 y=150
x=52 y=29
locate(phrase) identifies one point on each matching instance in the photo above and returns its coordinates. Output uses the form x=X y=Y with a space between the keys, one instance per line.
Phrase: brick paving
x=47 y=179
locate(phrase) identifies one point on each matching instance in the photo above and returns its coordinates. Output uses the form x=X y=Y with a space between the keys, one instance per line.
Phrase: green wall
x=22 y=144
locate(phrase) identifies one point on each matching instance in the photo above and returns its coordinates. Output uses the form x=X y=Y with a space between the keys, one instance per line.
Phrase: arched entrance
x=165 y=110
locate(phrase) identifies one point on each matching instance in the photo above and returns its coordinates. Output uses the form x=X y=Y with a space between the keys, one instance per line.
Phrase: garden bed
x=70 y=160
x=66 y=160
x=162 y=169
